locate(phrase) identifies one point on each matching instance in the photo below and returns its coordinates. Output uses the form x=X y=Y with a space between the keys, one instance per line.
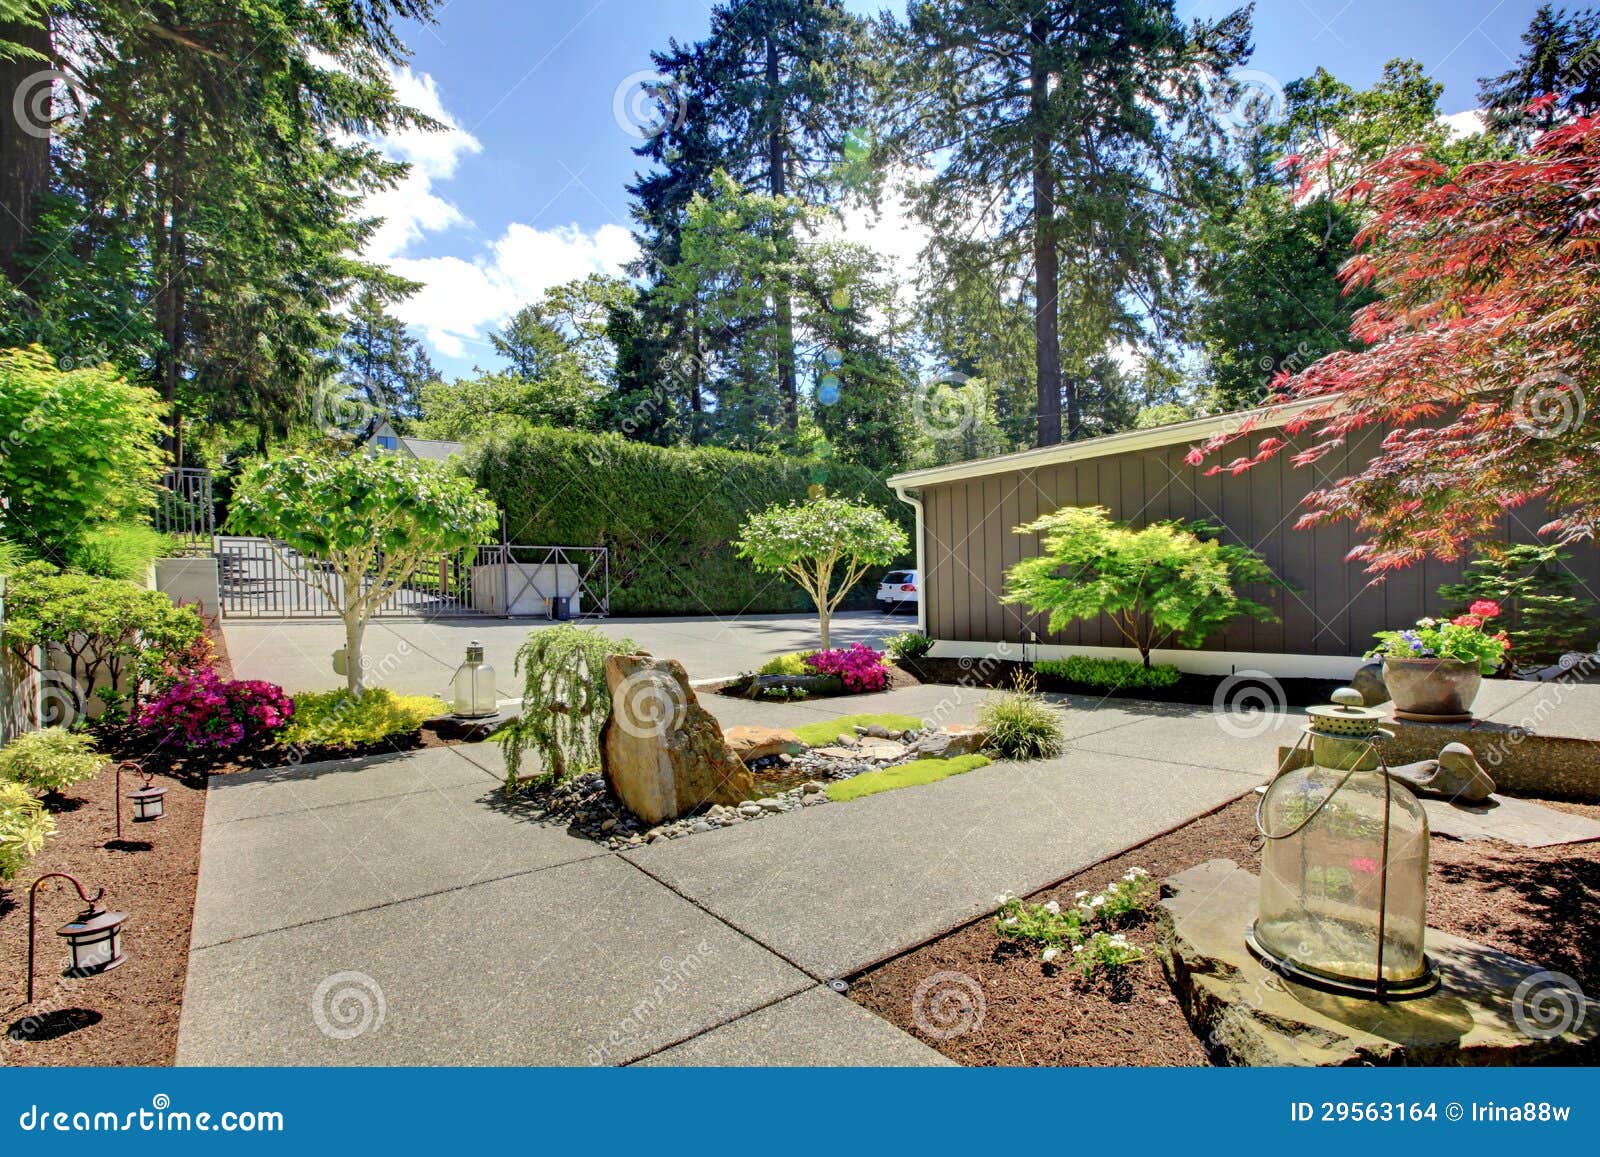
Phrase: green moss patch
x=905 y=775
x=829 y=730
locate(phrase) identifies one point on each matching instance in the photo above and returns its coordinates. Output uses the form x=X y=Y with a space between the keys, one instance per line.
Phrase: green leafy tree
x=1070 y=133
x=1159 y=584
x=1561 y=58
x=374 y=519
x=826 y=545
x=1543 y=609
x=79 y=449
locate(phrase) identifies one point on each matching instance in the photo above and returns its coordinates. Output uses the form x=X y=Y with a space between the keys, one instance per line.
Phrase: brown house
x=966 y=512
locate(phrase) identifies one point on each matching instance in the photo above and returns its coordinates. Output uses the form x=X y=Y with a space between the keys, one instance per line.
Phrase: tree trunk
x=354 y=628
x=778 y=185
x=823 y=618
x=24 y=143
x=173 y=250
x=1046 y=261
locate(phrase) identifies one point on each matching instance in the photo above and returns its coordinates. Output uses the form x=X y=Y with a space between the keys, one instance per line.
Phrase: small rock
x=846 y=740
x=772 y=805
x=608 y=825
x=876 y=731
x=893 y=734
x=811 y=787
x=701 y=826
x=785 y=758
x=750 y=808
x=813 y=800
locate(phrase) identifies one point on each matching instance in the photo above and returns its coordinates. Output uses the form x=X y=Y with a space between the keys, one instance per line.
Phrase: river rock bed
x=784 y=783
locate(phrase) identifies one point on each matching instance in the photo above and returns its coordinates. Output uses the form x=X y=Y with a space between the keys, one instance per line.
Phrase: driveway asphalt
x=394 y=911
x=417 y=657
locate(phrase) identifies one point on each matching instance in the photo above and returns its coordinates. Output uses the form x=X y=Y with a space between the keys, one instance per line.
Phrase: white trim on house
x=922 y=568
x=1194 y=430
x=1191 y=662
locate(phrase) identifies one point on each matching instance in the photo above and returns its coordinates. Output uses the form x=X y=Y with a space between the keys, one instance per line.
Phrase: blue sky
x=526 y=188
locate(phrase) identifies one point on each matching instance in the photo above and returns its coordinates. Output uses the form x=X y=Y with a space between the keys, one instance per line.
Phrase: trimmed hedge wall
x=668 y=514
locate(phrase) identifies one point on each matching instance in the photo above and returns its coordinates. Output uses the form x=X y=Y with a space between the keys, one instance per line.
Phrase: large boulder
x=950 y=740
x=1368 y=680
x=751 y=743
x=663 y=753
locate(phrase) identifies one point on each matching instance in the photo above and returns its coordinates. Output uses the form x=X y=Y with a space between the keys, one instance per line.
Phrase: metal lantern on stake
x=148 y=802
x=475 y=687
x=1344 y=873
x=94 y=936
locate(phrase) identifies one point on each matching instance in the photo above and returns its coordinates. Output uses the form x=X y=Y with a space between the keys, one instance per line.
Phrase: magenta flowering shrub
x=205 y=711
x=858 y=666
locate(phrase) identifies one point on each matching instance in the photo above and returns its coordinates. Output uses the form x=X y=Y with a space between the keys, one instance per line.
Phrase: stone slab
x=817 y=1027
x=290 y=867
x=587 y=963
x=1514 y=821
x=836 y=889
x=1251 y=1016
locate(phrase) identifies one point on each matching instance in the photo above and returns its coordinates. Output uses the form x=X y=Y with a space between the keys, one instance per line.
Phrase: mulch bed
x=1539 y=904
x=1200 y=690
x=128 y=1016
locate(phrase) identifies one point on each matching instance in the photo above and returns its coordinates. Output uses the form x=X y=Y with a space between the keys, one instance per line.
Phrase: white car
x=897 y=589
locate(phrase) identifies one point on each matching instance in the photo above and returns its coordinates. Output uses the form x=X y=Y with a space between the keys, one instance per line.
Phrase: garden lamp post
x=94 y=936
x=149 y=802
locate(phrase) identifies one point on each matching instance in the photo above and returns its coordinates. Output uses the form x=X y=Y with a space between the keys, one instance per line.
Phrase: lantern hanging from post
x=94 y=936
x=148 y=802
x=1344 y=873
x=474 y=686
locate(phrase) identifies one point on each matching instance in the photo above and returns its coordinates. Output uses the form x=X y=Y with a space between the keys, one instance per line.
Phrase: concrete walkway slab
x=277 y=790
x=1199 y=737
x=837 y=888
x=278 y=870
x=587 y=963
x=814 y=1028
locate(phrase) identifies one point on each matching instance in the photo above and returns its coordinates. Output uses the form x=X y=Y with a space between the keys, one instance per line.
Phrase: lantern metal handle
x=33 y=900
x=138 y=767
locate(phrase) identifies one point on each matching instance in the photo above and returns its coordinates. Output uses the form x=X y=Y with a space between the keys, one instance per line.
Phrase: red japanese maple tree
x=1481 y=354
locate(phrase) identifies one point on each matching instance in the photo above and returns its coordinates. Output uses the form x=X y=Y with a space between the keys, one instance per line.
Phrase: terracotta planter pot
x=1441 y=689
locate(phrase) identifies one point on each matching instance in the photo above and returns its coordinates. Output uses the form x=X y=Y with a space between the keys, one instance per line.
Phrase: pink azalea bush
x=205 y=711
x=858 y=666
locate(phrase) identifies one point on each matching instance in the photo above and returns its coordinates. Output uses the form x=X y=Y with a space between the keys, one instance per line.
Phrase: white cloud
x=465 y=294
x=1464 y=124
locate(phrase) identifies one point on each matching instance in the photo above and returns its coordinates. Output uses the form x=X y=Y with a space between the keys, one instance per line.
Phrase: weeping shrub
x=565 y=701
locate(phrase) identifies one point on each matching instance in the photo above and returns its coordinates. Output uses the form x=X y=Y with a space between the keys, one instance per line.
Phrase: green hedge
x=668 y=514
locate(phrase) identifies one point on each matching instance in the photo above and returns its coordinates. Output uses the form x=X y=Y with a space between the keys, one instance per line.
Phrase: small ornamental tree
x=1160 y=584
x=826 y=545
x=372 y=518
x=1480 y=354
x=78 y=449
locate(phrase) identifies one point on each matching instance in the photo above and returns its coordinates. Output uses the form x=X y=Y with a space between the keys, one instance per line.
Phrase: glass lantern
x=149 y=802
x=475 y=696
x=1344 y=871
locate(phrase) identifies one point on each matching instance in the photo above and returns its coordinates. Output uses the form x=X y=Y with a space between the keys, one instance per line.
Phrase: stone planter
x=1432 y=690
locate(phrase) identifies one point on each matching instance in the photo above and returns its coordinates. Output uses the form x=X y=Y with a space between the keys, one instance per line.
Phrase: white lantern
x=475 y=695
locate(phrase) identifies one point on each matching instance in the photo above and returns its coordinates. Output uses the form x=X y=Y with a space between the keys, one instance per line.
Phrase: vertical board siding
x=1332 y=609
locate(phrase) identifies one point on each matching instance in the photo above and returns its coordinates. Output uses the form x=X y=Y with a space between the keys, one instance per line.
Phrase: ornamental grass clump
x=908 y=645
x=1021 y=725
x=1463 y=639
x=51 y=760
x=206 y=711
x=857 y=666
x=1085 y=934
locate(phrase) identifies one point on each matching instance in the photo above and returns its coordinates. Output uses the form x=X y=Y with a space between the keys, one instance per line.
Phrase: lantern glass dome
x=95 y=940
x=149 y=803
x=1344 y=871
x=474 y=686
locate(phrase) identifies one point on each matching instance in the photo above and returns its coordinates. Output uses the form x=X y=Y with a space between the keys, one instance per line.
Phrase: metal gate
x=260 y=578
x=185 y=511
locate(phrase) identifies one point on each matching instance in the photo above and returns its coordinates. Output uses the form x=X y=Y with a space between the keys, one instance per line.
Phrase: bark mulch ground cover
x=1539 y=904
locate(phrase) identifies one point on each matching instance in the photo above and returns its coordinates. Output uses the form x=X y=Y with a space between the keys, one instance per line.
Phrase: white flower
x=1050 y=955
x=1077 y=948
x=1003 y=899
x=1080 y=895
x=1011 y=921
x=1097 y=902
x=1053 y=908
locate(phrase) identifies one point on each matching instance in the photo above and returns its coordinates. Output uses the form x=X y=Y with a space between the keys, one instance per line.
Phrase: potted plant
x=1433 y=670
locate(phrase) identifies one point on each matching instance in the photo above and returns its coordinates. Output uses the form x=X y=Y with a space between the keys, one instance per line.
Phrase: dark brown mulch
x=1540 y=904
x=1199 y=690
x=128 y=1016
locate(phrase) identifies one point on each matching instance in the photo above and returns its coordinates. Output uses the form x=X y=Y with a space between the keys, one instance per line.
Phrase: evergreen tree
x=1561 y=57
x=378 y=357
